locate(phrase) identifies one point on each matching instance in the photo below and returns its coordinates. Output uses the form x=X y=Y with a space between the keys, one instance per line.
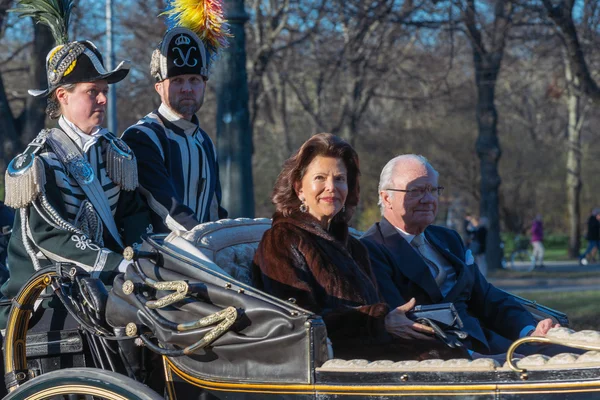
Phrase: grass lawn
x=555 y=246
x=556 y=254
x=551 y=254
x=541 y=274
x=581 y=307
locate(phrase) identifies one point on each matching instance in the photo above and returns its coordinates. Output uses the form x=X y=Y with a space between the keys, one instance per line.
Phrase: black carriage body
x=274 y=350
x=50 y=351
x=55 y=342
x=277 y=351
x=382 y=385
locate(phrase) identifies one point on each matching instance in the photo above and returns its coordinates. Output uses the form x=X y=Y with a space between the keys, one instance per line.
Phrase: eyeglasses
x=419 y=193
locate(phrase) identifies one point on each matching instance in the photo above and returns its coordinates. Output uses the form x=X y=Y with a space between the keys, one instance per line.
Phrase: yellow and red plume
x=204 y=17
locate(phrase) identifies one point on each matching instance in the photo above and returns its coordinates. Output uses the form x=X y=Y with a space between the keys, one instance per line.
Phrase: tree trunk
x=234 y=134
x=351 y=114
x=18 y=132
x=574 y=156
x=488 y=150
x=487 y=62
x=33 y=117
x=561 y=13
x=10 y=135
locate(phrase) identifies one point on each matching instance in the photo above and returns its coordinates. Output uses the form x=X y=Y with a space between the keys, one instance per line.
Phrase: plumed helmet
x=197 y=30
x=77 y=62
x=69 y=62
x=180 y=52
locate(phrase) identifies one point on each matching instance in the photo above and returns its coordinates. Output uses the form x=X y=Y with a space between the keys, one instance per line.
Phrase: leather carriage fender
x=119 y=312
x=95 y=294
x=165 y=330
x=269 y=339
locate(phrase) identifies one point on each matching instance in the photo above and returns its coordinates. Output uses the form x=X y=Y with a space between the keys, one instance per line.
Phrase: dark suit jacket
x=492 y=318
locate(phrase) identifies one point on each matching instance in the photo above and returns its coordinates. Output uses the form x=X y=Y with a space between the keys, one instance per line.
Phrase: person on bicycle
x=537 y=241
x=75 y=185
x=593 y=235
x=478 y=234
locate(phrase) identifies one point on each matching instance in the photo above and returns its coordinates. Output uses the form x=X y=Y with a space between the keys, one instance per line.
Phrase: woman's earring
x=303 y=206
x=343 y=208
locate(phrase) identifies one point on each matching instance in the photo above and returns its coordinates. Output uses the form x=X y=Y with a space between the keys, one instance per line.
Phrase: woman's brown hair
x=325 y=145
x=53 y=110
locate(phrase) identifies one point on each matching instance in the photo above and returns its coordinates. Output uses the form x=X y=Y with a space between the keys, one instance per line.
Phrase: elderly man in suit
x=416 y=262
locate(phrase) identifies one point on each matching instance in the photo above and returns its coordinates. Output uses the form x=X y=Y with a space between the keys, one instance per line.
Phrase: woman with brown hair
x=308 y=255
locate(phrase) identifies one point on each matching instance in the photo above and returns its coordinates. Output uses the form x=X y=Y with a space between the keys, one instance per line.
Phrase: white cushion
x=230 y=243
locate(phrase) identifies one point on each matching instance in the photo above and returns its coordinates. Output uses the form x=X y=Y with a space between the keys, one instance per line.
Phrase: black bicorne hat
x=181 y=52
x=77 y=62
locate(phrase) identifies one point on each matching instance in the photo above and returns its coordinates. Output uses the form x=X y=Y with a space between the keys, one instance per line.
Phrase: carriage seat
x=228 y=243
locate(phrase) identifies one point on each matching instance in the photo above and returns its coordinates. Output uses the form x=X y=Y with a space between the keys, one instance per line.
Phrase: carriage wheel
x=83 y=383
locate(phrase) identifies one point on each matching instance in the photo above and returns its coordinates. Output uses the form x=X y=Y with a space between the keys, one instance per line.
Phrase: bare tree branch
x=562 y=15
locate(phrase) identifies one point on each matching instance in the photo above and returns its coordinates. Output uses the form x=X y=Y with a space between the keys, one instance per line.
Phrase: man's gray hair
x=387 y=173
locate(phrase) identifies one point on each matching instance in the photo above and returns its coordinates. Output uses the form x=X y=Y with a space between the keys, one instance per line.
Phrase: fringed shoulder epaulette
x=25 y=177
x=121 y=164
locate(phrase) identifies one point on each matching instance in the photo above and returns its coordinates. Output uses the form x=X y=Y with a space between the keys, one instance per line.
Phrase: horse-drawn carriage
x=186 y=315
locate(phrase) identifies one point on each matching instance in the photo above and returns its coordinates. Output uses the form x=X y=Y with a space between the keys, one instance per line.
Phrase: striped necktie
x=426 y=251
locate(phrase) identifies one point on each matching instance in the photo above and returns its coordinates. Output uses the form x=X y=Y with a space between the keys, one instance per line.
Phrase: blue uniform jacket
x=178 y=170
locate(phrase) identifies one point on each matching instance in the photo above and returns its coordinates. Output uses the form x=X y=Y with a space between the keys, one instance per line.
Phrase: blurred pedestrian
x=477 y=230
x=537 y=241
x=593 y=235
x=7 y=217
x=468 y=228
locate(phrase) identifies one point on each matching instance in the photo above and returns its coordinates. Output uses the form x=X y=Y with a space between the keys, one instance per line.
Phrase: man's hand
x=543 y=327
x=398 y=324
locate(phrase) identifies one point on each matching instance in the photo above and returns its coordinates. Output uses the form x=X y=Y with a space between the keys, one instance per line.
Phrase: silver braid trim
x=53 y=218
x=42 y=214
x=46 y=217
x=88 y=221
x=57 y=221
x=26 y=242
x=91 y=224
x=62 y=60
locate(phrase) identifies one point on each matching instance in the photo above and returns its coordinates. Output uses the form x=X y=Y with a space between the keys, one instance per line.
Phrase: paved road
x=564 y=284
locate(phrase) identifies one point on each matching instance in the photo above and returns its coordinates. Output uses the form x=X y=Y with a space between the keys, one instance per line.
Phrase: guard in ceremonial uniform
x=75 y=185
x=177 y=160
